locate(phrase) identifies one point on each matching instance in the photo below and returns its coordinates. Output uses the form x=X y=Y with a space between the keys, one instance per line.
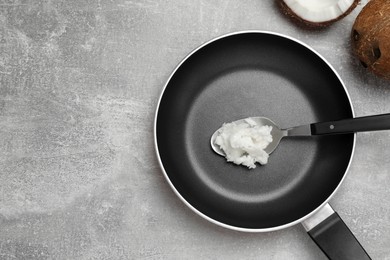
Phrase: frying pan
x=257 y=73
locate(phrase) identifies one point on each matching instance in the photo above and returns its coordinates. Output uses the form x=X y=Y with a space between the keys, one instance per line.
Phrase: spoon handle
x=352 y=125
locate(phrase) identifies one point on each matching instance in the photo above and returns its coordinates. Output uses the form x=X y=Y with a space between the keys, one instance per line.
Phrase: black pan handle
x=333 y=236
x=352 y=125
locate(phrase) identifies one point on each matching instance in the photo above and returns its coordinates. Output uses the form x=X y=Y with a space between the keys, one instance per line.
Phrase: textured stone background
x=79 y=178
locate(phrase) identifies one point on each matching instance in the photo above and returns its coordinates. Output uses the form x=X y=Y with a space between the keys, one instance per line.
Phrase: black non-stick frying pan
x=256 y=73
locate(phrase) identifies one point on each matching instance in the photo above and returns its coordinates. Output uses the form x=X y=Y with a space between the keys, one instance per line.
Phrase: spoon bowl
x=276 y=132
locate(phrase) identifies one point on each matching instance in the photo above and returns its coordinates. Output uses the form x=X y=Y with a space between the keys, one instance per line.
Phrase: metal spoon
x=350 y=125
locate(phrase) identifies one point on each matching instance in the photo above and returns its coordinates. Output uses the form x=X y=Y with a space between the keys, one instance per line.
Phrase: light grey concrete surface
x=79 y=178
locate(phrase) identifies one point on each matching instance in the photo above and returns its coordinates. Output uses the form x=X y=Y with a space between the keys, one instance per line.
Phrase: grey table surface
x=79 y=177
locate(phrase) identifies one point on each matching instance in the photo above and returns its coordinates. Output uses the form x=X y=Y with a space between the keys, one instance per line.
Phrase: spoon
x=344 y=126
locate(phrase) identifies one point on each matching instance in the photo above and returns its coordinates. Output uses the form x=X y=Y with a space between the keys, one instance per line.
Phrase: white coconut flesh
x=319 y=11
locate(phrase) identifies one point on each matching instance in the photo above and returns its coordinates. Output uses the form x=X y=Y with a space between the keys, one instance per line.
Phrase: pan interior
x=253 y=74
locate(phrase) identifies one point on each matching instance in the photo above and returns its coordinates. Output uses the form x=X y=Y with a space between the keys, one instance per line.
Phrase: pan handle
x=332 y=235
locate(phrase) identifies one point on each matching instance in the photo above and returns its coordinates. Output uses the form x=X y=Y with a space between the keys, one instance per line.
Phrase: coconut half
x=317 y=13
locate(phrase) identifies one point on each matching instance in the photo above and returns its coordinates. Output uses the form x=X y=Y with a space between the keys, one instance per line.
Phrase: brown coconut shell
x=308 y=24
x=370 y=37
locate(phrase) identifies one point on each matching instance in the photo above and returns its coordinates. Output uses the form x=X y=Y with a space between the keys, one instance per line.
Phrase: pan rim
x=201 y=214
